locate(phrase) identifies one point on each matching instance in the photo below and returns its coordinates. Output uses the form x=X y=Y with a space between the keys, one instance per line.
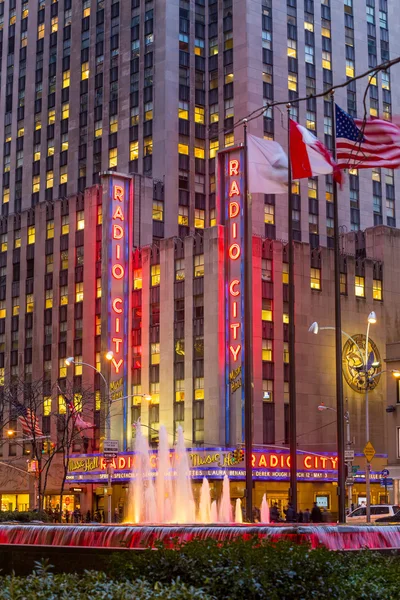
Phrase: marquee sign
x=231 y=201
x=117 y=247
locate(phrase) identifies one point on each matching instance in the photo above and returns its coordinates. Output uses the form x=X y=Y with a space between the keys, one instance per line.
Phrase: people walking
x=274 y=514
x=306 y=516
x=291 y=515
x=300 y=516
x=316 y=514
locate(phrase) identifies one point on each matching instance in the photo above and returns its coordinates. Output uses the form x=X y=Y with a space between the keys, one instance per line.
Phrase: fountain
x=238 y=511
x=205 y=502
x=264 y=510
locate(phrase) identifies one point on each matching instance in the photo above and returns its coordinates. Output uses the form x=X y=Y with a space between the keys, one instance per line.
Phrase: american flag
x=364 y=145
x=28 y=420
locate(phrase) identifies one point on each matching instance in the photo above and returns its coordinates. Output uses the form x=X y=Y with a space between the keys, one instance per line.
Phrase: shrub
x=23 y=517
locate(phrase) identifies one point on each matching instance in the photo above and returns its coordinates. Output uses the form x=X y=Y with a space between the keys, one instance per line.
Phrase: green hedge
x=23 y=517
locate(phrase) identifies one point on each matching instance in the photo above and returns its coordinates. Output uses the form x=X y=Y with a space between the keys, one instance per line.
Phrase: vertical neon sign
x=119 y=228
x=231 y=188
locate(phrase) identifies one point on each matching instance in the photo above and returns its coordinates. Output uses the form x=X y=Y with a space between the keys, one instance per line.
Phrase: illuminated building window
x=78 y=367
x=49 y=263
x=183 y=215
x=387 y=111
x=66 y=78
x=78 y=405
x=40 y=31
x=213 y=46
x=114 y=124
x=155 y=275
x=377 y=289
x=97 y=360
x=292 y=48
x=183 y=110
x=46 y=406
x=285 y=273
x=99 y=214
x=50 y=147
x=179 y=390
x=199 y=218
x=79 y=255
x=63 y=295
x=310 y=122
x=97 y=400
x=292 y=82
x=198 y=262
x=29 y=303
x=313 y=224
x=17 y=238
x=214 y=114
x=49 y=179
x=2 y=309
x=98 y=129
x=54 y=24
x=267 y=350
x=65 y=110
x=285 y=313
x=158 y=210
x=38 y=122
x=315 y=278
x=309 y=26
x=62 y=405
x=6 y=195
x=228 y=74
x=266 y=312
x=183 y=149
x=98 y=325
x=112 y=158
x=98 y=287
x=199 y=388
x=36 y=184
x=50 y=230
x=64 y=259
x=268 y=390
x=326 y=60
x=229 y=113
x=155 y=393
x=80 y=220
x=79 y=292
x=229 y=139
x=62 y=368
x=360 y=286
x=148 y=111
x=213 y=218
x=134 y=151
x=376 y=174
x=199 y=152
x=343 y=284
x=269 y=214
x=3 y=242
x=199 y=47
x=15 y=306
x=31 y=234
x=137 y=279
x=214 y=147
x=312 y=188
x=155 y=354
x=148 y=146
x=180 y=269
x=385 y=80
x=199 y=114
x=49 y=299
x=228 y=40
x=266 y=269
x=20 y=132
x=286 y=353
x=350 y=68
x=65 y=224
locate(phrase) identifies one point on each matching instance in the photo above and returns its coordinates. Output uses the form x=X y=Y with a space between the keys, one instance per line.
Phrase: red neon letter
x=273 y=461
x=233 y=209
x=119 y=214
x=234 y=327
x=118 y=271
x=233 y=292
x=234 y=191
x=117 y=365
x=234 y=309
x=117 y=342
x=253 y=460
x=263 y=461
x=234 y=230
x=117 y=326
x=234 y=251
x=233 y=167
x=118 y=193
x=118 y=232
x=114 y=305
x=307 y=462
x=118 y=251
x=235 y=351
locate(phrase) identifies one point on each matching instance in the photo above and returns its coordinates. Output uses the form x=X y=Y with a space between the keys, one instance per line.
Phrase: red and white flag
x=308 y=156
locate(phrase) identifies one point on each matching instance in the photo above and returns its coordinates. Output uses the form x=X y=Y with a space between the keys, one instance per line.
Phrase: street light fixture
x=110 y=355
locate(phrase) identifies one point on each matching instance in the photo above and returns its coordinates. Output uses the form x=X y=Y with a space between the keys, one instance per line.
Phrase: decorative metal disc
x=353 y=363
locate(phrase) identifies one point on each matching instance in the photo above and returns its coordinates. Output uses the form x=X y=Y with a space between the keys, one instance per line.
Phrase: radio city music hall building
x=87 y=277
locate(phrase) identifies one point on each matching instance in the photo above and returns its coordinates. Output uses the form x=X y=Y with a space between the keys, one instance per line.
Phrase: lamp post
x=364 y=369
x=109 y=355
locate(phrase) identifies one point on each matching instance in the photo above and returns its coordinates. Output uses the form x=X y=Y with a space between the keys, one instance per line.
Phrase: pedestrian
x=306 y=516
x=300 y=516
x=290 y=514
x=316 y=515
x=274 y=513
x=66 y=515
x=116 y=515
x=88 y=517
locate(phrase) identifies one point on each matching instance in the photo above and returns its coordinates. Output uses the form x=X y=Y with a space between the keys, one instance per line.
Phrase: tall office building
x=155 y=88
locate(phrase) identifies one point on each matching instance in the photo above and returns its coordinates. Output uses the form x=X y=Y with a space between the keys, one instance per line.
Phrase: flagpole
x=248 y=336
x=292 y=348
x=341 y=489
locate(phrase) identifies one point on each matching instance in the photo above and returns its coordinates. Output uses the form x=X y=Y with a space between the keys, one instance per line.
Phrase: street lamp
x=364 y=369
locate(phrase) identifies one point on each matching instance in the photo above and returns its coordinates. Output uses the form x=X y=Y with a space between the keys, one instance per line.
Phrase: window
x=17 y=238
x=79 y=292
x=64 y=259
x=113 y=124
x=49 y=298
x=98 y=287
x=350 y=68
x=214 y=147
x=183 y=110
x=267 y=350
x=155 y=275
x=285 y=273
x=155 y=353
x=199 y=114
x=49 y=180
x=266 y=312
x=268 y=389
x=292 y=48
x=63 y=295
x=15 y=306
x=385 y=80
x=3 y=242
x=179 y=390
x=180 y=269
x=199 y=152
x=98 y=129
x=50 y=230
x=377 y=289
x=198 y=262
x=292 y=82
x=266 y=269
x=137 y=279
x=326 y=60
x=31 y=234
x=199 y=218
x=315 y=278
x=269 y=214
x=98 y=325
x=62 y=405
x=65 y=224
x=286 y=353
x=310 y=122
x=29 y=303
x=66 y=79
x=46 y=406
x=360 y=286
x=158 y=210
x=134 y=151
x=78 y=371
x=183 y=215
x=371 y=15
x=80 y=220
x=199 y=388
x=112 y=158
x=62 y=368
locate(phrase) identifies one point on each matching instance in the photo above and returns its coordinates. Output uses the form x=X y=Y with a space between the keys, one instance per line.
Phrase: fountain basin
x=333 y=537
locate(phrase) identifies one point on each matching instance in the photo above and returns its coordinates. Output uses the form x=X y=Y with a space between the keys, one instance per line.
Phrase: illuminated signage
x=231 y=198
x=119 y=229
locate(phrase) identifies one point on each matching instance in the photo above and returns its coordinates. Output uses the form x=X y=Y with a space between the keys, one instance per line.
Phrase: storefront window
x=10 y=502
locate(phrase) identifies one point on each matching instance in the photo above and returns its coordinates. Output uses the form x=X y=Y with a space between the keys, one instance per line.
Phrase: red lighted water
x=334 y=537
